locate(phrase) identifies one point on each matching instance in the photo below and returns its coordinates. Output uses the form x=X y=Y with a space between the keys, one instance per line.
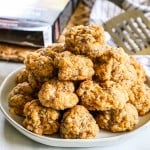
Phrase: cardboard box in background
x=34 y=23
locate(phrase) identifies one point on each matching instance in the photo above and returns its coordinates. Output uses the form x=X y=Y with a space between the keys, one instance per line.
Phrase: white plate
x=102 y=139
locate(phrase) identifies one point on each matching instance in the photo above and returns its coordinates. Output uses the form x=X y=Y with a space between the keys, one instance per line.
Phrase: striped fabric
x=143 y=5
x=104 y=10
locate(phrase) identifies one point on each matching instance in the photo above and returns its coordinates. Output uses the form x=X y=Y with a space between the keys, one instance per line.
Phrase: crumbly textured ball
x=94 y=97
x=22 y=76
x=18 y=97
x=64 y=54
x=55 y=47
x=75 y=67
x=61 y=55
x=78 y=123
x=39 y=119
x=22 y=88
x=139 y=96
x=39 y=65
x=34 y=83
x=118 y=120
x=58 y=95
x=115 y=65
x=141 y=74
x=53 y=50
x=17 y=102
x=85 y=40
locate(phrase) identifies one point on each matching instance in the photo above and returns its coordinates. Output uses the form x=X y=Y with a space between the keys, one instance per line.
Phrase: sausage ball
x=78 y=123
x=75 y=67
x=57 y=94
x=55 y=47
x=39 y=65
x=60 y=56
x=141 y=74
x=139 y=96
x=34 y=83
x=94 y=97
x=115 y=65
x=39 y=119
x=18 y=97
x=22 y=76
x=118 y=120
x=22 y=88
x=53 y=50
x=85 y=40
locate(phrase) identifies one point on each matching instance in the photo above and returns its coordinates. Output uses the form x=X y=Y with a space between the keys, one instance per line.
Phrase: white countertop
x=10 y=138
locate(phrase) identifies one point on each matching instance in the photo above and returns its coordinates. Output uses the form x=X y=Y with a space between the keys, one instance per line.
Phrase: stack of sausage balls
x=77 y=88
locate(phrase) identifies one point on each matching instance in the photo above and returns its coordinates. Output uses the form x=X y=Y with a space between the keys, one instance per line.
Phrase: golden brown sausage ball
x=94 y=97
x=141 y=74
x=57 y=94
x=40 y=66
x=53 y=50
x=17 y=102
x=86 y=40
x=115 y=65
x=39 y=119
x=118 y=120
x=75 y=67
x=22 y=76
x=78 y=123
x=139 y=96
x=60 y=56
x=34 y=83
x=18 y=97
x=22 y=88
x=55 y=47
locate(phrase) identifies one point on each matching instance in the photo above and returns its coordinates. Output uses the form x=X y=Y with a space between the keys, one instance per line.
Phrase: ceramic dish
x=102 y=139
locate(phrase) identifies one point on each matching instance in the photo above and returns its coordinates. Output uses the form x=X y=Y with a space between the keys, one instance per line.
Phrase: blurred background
x=29 y=24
